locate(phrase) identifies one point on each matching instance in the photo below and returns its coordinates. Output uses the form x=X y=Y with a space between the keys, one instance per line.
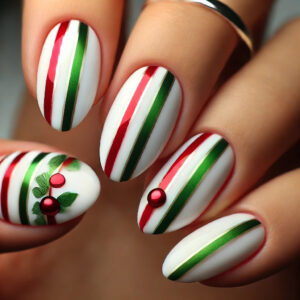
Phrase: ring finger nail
x=215 y=248
x=140 y=122
x=38 y=188
x=187 y=185
x=68 y=74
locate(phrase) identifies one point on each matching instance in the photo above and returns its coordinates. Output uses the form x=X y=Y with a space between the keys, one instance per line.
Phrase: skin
x=122 y=246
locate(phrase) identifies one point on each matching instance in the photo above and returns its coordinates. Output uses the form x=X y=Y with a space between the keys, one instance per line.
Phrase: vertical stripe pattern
x=118 y=139
x=212 y=247
x=140 y=122
x=191 y=179
x=68 y=74
x=148 y=125
x=74 y=77
x=23 y=210
x=6 y=183
x=215 y=248
x=25 y=182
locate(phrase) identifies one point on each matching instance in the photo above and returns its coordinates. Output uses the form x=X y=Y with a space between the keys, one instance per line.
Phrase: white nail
x=187 y=185
x=38 y=188
x=140 y=122
x=214 y=248
x=68 y=74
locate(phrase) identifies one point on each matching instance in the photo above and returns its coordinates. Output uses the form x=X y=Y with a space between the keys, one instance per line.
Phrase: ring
x=231 y=17
x=227 y=13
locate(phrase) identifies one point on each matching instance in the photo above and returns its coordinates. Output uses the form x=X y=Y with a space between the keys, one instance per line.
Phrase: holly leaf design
x=36 y=209
x=66 y=199
x=56 y=161
x=43 y=181
x=40 y=220
x=38 y=193
x=74 y=165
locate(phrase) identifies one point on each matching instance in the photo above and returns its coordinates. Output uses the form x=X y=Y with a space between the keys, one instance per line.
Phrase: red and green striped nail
x=140 y=122
x=68 y=74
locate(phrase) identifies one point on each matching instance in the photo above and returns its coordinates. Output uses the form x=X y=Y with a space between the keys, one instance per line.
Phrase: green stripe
x=212 y=247
x=191 y=185
x=25 y=186
x=74 y=77
x=148 y=126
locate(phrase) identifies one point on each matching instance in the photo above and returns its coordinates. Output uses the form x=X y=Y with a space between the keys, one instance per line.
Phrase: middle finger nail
x=140 y=122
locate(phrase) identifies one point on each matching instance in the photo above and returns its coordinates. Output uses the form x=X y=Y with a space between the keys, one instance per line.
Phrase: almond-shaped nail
x=187 y=185
x=215 y=248
x=39 y=188
x=68 y=74
x=140 y=122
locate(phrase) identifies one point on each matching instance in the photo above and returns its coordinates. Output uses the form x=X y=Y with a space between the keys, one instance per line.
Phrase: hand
x=159 y=43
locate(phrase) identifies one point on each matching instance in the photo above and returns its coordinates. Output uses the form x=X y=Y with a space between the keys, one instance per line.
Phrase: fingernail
x=140 y=122
x=187 y=185
x=38 y=188
x=215 y=248
x=68 y=74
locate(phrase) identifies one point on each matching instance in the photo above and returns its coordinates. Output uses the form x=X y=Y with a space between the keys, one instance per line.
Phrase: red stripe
x=52 y=71
x=5 y=185
x=181 y=159
x=145 y=216
x=117 y=142
x=51 y=220
x=171 y=173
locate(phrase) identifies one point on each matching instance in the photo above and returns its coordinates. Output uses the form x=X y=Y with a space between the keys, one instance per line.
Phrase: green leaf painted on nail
x=74 y=165
x=40 y=220
x=56 y=161
x=36 y=209
x=38 y=193
x=43 y=181
x=67 y=199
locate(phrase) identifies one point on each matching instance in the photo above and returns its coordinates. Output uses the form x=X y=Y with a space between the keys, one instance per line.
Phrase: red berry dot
x=49 y=206
x=57 y=180
x=157 y=197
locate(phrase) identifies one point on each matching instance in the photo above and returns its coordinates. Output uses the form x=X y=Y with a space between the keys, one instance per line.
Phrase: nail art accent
x=38 y=188
x=214 y=248
x=140 y=122
x=68 y=74
x=192 y=180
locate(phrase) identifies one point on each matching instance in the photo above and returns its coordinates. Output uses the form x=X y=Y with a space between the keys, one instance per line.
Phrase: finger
x=43 y=194
x=245 y=245
x=208 y=173
x=168 y=69
x=68 y=63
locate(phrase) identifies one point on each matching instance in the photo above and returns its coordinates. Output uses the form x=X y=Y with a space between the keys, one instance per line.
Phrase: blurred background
x=11 y=79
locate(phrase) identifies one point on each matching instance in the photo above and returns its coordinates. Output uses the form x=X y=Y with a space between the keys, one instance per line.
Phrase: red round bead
x=49 y=206
x=57 y=180
x=157 y=197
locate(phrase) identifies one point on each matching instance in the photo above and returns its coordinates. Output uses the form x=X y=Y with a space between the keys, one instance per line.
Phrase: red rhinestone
x=49 y=206
x=57 y=180
x=157 y=197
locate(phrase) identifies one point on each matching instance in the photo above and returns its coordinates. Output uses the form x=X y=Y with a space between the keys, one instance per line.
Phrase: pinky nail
x=214 y=248
x=68 y=74
x=38 y=188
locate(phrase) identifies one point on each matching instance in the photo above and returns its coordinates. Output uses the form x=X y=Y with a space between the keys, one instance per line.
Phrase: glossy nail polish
x=215 y=248
x=140 y=122
x=190 y=182
x=38 y=188
x=68 y=74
